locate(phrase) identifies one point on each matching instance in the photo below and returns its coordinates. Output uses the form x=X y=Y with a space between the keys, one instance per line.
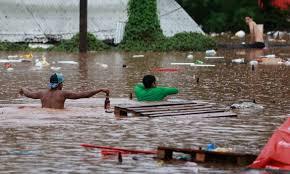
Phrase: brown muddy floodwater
x=35 y=140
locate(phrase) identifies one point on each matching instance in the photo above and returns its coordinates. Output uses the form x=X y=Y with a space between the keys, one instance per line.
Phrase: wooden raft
x=200 y=109
x=203 y=156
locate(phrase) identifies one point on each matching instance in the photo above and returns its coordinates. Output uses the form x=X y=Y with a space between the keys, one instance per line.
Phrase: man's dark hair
x=148 y=80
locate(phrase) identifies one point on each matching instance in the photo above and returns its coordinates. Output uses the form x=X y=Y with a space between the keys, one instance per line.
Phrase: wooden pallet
x=203 y=156
x=165 y=109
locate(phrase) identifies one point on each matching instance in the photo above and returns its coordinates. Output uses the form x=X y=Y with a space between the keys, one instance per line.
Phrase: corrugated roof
x=40 y=20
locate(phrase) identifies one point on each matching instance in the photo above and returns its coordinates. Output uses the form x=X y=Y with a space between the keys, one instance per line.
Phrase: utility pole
x=83 y=45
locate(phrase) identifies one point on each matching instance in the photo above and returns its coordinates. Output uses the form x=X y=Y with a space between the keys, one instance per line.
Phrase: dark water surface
x=35 y=140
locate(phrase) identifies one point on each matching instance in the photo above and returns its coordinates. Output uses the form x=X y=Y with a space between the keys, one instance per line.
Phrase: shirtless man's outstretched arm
x=86 y=94
x=30 y=94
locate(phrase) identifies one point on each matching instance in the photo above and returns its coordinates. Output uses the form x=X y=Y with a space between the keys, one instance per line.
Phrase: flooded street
x=35 y=140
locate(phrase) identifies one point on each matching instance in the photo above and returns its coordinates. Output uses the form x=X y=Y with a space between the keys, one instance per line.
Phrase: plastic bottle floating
x=239 y=61
x=44 y=62
x=190 y=56
x=27 y=56
x=210 y=52
x=240 y=34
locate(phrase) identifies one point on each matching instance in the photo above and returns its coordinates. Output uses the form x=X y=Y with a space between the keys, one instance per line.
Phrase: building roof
x=43 y=20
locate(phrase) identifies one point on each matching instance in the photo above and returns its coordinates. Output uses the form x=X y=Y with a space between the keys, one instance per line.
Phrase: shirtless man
x=256 y=33
x=55 y=97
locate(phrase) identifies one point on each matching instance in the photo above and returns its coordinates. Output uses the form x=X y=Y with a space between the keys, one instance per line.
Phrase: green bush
x=9 y=46
x=189 y=41
x=72 y=45
x=143 y=32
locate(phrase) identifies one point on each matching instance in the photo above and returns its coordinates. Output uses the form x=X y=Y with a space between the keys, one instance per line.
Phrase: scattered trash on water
x=199 y=62
x=241 y=53
x=38 y=45
x=138 y=56
x=223 y=149
x=27 y=56
x=269 y=56
x=253 y=62
x=210 y=52
x=287 y=63
x=44 y=62
x=214 y=57
x=202 y=65
x=239 y=61
x=211 y=147
x=12 y=56
x=55 y=68
x=245 y=105
x=240 y=34
x=270 y=61
x=182 y=64
x=102 y=65
x=184 y=157
x=10 y=60
x=190 y=56
x=68 y=62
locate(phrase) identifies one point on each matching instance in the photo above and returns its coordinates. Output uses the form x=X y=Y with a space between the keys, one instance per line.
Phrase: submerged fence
x=53 y=20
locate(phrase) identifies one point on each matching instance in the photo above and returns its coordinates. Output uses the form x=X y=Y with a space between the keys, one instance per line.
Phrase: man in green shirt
x=148 y=91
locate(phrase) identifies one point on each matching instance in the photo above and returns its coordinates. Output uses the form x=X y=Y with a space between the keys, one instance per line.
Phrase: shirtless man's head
x=248 y=19
x=56 y=81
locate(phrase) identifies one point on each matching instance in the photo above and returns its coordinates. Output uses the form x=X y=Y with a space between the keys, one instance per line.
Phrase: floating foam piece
x=182 y=64
x=10 y=61
x=202 y=65
x=102 y=65
x=210 y=52
x=213 y=57
x=68 y=62
x=240 y=34
x=138 y=56
x=190 y=56
x=55 y=68
x=10 y=69
x=242 y=60
x=37 y=45
x=12 y=56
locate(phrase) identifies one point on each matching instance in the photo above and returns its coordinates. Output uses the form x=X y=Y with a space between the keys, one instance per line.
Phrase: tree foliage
x=228 y=15
x=143 y=32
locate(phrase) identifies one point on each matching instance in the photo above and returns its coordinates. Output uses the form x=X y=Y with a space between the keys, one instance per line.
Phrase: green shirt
x=153 y=94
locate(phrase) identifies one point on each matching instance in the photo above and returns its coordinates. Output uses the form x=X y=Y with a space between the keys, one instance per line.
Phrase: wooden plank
x=205 y=115
x=212 y=113
x=173 y=109
x=164 y=108
x=166 y=153
x=156 y=104
x=210 y=110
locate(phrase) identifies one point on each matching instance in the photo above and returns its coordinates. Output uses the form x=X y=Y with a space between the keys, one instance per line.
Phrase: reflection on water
x=48 y=141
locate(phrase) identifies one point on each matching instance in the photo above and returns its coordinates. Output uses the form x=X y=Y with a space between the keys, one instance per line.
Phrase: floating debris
x=240 y=34
x=68 y=62
x=190 y=56
x=138 y=56
x=239 y=61
x=210 y=52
